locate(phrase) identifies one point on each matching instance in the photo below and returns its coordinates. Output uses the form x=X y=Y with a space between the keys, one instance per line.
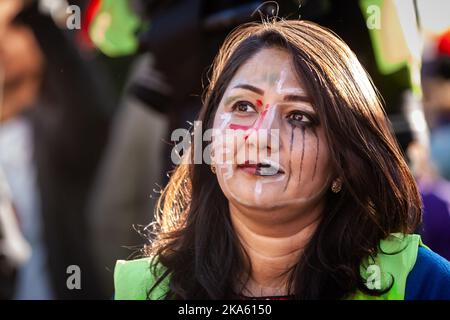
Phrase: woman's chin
x=249 y=189
x=259 y=196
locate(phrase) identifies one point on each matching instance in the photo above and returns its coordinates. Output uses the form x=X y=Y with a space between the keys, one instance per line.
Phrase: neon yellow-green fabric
x=395 y=260
x=133 y=279
x=114 y=28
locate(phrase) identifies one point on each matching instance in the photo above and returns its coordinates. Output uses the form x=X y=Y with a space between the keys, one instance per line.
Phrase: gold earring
x=213 y=169
x=336 y=186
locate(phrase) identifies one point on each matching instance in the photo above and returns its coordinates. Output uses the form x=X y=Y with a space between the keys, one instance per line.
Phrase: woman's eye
x=244 y=107
x=299 y=118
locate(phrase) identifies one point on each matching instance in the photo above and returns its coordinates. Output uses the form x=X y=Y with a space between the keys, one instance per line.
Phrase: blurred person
x=331 y=198
x=53 y=129
x=435 y=191
x=123 y=197
x=431 y=167
x=436 y=83
x=14 y=249
x=22 y=64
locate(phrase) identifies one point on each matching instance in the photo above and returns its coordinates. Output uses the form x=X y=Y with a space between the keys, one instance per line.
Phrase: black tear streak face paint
x=290 y=156
x=317 y=153
x=303 y=154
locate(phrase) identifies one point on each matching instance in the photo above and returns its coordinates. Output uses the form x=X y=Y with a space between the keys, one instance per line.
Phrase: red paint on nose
x=259 y=103
x=260 y=120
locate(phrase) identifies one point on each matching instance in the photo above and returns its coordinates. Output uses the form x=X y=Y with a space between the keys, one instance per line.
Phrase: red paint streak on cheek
x=238 y=127
x=234 y=126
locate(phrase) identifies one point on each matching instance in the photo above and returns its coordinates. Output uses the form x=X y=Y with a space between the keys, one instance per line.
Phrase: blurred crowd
x=87 y=111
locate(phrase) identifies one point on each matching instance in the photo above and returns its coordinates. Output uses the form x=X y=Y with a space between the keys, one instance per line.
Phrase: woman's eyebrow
x=251 y=88
x=231 y=99
x=296 y=98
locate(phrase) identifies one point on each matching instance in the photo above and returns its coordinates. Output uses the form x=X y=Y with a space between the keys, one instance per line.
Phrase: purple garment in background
x=436 y=218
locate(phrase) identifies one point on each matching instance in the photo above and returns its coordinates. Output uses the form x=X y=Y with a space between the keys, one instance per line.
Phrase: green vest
x=133 y=279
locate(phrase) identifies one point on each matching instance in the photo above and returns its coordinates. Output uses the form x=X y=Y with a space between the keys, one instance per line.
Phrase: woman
x=317 y=201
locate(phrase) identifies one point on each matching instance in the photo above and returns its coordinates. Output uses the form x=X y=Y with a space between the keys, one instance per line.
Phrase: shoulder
x=390 y=267
x=430 y=277
x=133 y=279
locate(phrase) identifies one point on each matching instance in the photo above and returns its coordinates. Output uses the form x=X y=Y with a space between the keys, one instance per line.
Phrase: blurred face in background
x=21 y=63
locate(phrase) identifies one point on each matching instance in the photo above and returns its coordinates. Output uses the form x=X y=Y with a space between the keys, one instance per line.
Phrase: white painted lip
x=262 y=163
x=264 y=168
x=270 y=168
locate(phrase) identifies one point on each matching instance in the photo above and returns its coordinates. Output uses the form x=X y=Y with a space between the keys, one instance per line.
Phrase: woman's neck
x=272 y=249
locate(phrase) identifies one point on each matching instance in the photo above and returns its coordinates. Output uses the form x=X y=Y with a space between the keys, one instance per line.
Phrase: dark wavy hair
x=193 y=238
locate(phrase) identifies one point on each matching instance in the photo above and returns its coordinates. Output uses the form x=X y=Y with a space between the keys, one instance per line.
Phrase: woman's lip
x=259 y=169
x=248 y=168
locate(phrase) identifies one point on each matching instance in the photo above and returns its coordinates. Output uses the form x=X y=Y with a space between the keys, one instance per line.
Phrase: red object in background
x=444 y=43
x=91 y=11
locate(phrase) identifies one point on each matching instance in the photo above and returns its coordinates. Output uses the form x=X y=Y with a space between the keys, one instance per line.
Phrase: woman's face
x=269 y=148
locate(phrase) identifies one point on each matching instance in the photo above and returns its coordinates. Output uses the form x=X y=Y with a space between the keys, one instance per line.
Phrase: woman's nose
x=265 y=131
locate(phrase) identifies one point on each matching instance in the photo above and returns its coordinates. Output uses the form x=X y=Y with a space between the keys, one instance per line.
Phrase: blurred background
x=91 y=90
